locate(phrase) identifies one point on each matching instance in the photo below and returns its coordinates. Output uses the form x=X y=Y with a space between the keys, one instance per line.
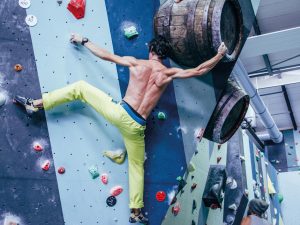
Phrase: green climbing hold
x=191 y=167
x=130 y=32
x=179 y=178
x=94 y=171
x=161 y=116
x=280 y=198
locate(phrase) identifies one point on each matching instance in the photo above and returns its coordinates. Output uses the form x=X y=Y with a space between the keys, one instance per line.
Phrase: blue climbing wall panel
x=28 y=195
x=164 y=147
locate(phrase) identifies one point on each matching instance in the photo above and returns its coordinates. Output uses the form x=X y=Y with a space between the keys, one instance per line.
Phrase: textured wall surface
x=27 y=193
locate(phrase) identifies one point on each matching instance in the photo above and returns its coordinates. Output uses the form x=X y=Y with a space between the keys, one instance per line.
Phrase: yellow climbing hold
x=271 y=187
x=117 y=156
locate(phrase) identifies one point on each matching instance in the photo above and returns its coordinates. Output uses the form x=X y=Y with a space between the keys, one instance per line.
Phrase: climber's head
x=159 y=46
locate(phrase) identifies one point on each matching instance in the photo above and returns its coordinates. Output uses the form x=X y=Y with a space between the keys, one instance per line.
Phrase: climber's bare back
x=146 y=84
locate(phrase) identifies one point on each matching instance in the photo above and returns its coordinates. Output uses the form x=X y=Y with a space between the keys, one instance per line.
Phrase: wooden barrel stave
x=202 y=25
x=228 y=114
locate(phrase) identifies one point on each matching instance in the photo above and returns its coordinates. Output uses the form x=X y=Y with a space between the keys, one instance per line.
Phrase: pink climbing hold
x=61 y=170
x=115 y=191
x=38 y=147
x=176 y=209
x=104 y=178
x=77 y=8
x=46 y=165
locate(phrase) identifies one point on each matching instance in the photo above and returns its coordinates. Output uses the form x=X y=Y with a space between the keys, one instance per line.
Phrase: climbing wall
x=77 y=133
x=27 y=192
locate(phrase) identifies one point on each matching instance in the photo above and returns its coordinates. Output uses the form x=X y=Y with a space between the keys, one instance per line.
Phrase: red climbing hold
x=176 y=209
x=160 y=196
x=77 y=8
x=219 y=159
x=214 y=206
x=115 y=191
x=193 y=186
x=61 y=170
x=38 y=147
x=104 y=178
x=46 y=165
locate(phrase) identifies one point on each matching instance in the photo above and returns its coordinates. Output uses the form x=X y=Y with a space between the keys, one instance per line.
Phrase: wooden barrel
x=228 y=114
x=196 y=28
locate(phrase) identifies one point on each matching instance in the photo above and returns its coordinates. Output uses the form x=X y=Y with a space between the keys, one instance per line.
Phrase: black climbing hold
x=181 y=185
x=193 y=222
x=194 y=205
x=173 y=200
x=192 y=177
x=111 y=201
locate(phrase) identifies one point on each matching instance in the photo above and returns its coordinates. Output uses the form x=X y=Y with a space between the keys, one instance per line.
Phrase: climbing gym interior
x=101 y=125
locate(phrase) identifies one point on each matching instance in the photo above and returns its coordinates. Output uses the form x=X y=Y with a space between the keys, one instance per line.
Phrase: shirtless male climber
x=148 y=80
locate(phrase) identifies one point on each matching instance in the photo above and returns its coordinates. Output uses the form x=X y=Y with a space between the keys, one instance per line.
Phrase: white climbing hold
x=232 y=184
x=31 y=20
x=275 y=211
x=25 y=4
x=2 y=99
x=257 y=193
x=233 y=207
x=242 y=158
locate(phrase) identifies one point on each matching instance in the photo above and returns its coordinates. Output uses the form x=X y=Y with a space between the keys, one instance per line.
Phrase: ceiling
x=274 y=16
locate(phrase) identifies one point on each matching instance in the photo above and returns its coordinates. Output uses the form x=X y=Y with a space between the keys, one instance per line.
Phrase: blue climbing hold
x=2 y=99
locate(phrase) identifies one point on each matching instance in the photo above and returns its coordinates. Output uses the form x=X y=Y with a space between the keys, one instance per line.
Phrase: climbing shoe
x=27 y=103
x=140 y=218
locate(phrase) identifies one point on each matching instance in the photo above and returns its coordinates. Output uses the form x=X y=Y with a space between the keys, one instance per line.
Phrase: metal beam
x=265 y=57
x=288 y=103
x=271 y=42
x=278 y=70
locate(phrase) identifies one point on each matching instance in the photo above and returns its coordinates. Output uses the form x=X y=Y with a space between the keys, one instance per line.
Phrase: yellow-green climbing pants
x=132 y=132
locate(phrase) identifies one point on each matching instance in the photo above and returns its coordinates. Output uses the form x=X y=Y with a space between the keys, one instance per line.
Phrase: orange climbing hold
x=160 y=196
x=77 y=8
x=18 y=67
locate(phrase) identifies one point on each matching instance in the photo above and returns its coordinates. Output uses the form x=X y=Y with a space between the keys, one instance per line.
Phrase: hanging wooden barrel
x=196 y=28
x=228 y=114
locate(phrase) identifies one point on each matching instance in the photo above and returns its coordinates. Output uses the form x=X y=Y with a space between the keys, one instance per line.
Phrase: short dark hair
x=160 y=46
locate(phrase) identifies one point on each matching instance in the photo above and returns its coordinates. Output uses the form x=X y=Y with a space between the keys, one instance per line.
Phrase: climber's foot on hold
x=27 y=103
x=138 y=217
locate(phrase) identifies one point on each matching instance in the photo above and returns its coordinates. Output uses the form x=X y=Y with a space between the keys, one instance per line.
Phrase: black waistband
x=133 y=110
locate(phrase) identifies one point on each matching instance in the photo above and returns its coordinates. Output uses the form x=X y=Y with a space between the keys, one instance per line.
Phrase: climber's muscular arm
x=200 y=70
x=104 y=54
